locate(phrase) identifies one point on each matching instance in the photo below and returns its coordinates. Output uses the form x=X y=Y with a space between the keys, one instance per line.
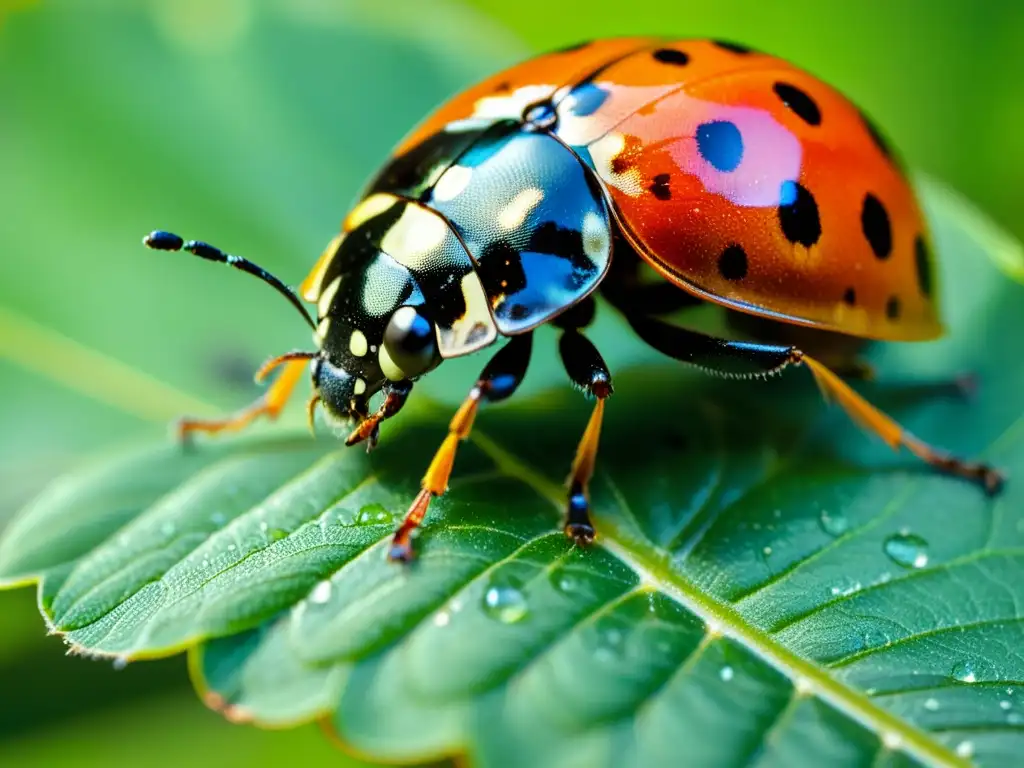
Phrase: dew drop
x=965 y=749
x=964 y=672
x=566 y=583
x=206 y=563
x=1004 y=704
x=321 y=593
x=931 y=704
x=263 y=526
x=441 y=618
x=833 y=523
x=374 y=514
x=505 y=603
x=120 y=663
x=767 y=551
x=726 y=673
x=907 y=549
x=892 y=740
x=609 y=643
x=232 y=547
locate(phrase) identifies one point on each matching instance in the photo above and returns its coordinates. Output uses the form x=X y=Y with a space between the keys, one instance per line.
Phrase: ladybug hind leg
x=500 y=378
x=746 y=359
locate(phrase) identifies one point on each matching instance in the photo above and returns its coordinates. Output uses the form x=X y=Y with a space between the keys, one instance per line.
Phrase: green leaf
x=769 y=583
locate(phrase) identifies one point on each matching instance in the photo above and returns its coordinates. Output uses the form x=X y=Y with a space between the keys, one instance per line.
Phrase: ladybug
x=729 y=175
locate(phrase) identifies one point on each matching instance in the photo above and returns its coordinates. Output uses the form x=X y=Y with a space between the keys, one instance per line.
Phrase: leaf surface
x=769 y=582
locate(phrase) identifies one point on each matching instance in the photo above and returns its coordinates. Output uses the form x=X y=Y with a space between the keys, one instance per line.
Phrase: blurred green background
x=253 y=123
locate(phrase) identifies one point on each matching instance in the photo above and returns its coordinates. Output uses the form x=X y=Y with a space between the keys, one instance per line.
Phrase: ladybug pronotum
x=740 y=179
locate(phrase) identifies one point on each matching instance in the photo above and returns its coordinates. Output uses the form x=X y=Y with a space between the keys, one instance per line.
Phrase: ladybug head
x=362 y=355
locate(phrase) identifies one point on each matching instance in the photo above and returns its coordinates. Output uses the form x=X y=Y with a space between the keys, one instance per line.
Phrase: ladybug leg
x=745 y=359
x=292 y=365
x=395 y=395
x=588 y=371
x=499 y=379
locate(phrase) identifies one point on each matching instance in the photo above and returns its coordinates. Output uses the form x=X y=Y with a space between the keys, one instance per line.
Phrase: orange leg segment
x=292 y=366
x=499 y=379
x=895 y=436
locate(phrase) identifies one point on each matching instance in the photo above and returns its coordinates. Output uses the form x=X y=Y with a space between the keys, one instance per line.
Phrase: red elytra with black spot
x=796 y=210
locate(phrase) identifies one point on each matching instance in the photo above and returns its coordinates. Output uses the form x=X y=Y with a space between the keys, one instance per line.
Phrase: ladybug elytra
x=739 y=178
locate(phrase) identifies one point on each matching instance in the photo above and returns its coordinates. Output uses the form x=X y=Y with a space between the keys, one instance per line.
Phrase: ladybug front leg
x=293 y=365
x=500 y=378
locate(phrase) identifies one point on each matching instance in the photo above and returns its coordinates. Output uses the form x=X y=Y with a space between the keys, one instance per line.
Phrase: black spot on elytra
x=659 y=187
x=671 y=56
x=892 y=308
x=923 y=260
x=503 y=87
x=732 y=264
x=720 y=144
x=877 y=136
x=732 y=47
x=850 y=297
x=798 y=214
x=587 y=99
x=874 y=221
x=799 y=102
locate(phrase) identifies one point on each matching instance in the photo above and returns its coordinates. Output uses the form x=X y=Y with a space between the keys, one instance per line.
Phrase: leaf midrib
x=722 y=619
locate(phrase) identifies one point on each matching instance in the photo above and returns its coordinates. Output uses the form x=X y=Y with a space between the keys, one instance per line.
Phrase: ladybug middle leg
x=499 y=379
x=588 y=371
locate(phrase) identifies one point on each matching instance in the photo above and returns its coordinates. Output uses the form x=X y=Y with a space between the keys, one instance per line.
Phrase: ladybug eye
x=410 y=345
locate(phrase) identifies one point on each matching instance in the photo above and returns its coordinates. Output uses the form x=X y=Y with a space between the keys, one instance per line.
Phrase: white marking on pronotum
x=519 y=208
x=452 y=183
x=357 y=344
x=360 y=387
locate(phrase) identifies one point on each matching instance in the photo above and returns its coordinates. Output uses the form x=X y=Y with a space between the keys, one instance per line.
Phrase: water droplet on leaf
x=726 y=673
x=321 y=593
x=505 y=603
x=931 y=704
x=965 y=749
x=964 y=672
x=907 y=549
x=834 y=524
x=374 y=514
x=120 y=663
x=1004 y=704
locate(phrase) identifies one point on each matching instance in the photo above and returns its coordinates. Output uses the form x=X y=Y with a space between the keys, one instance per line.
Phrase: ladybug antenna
x=167 y=241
